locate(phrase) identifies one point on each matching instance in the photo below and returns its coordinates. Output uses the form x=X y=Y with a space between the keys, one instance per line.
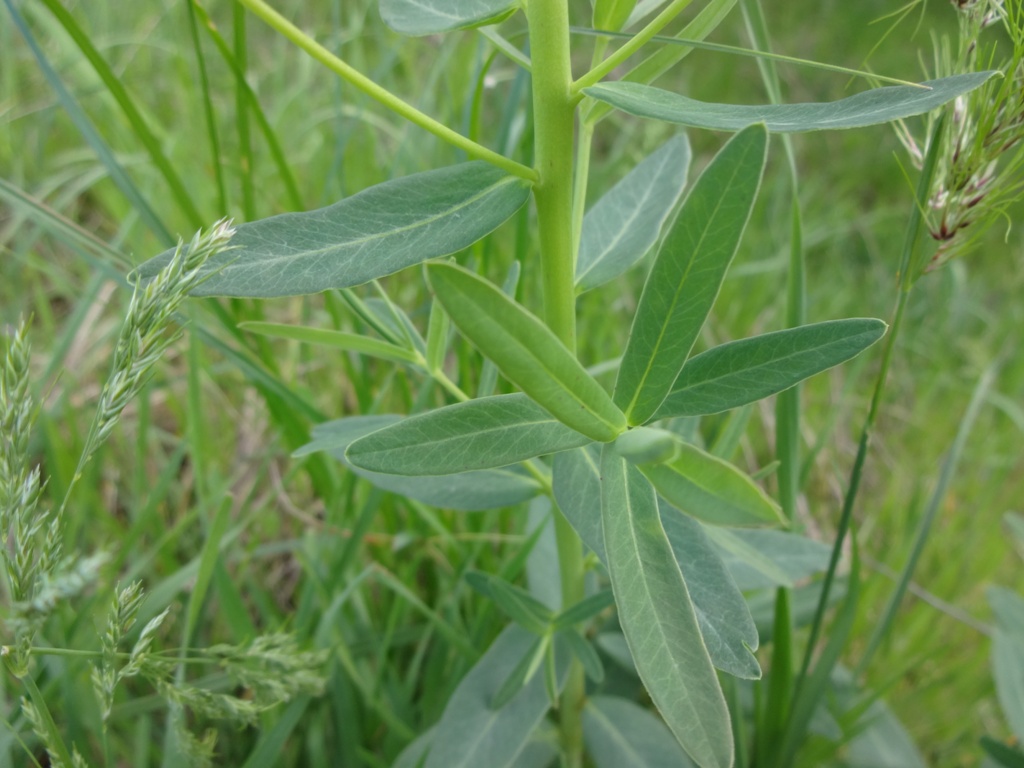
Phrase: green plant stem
x=553 y=192
x=382 y=95
x=658 y=23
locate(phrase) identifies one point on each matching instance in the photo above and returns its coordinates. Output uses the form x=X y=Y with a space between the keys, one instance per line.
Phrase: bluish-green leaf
x=428 y=17
x=478 y=434
x=470 y=733
x=712 y=490
x=687 y=274
x=658 y=618
x=469 y=491
x=740 y=372
x=1008 y=655
x=764 y=559
x=625 y=223
x=376 y=232
x=879 y=105
x=725 y=622
x=576 y=482
x=621 y=734
x=526 y=352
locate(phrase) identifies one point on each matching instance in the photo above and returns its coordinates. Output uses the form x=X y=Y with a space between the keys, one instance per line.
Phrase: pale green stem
x=640 y=39
x=382 y=95
x=553 y=157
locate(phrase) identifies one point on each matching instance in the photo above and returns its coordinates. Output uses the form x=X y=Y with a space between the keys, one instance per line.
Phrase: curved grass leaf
x=625 y=223
x=741 y=372
x=478 y=434
x=725 y=622
x=712 y=490
x=879 y=105
x=428 y=17
x=376 y=232
x=526 y=352
x=687 y=274
x=618 y=733
x=658 y=618
x=468 y=491
x=470 y=733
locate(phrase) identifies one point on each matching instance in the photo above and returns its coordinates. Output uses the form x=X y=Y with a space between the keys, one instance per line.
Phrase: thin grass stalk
x=245 y=156
x=904 y=285
x=924 y=527
x=208 y=111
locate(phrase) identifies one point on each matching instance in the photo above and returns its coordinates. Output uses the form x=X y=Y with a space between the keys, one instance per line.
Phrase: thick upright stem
x=553 y=160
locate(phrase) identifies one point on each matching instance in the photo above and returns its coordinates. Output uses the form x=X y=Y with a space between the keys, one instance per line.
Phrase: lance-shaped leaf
x=619 y=732
x=526 y=352
x=712 y=490
x=740 y=372
x=471 y=732
x=468 y=491
x=658 y=618
x=429 y=17
x=576 y=482
x=478 y=434
x=687 y=274
x=879 y=105
x=760 y=559
x=725 y=622
x=376 y=232
x=625 y=223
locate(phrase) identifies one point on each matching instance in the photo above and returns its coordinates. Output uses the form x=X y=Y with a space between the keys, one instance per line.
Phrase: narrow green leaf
x=526 y=352
x=479 y=434
x=741 y=372
x=429 y=17
x=725 y=622
x=688 y=273
x=658 y=618
x=471 y=733
x=763 y=559
x=372 y=234
x=469 y=491
x=712 y=490
x=576 y=483
x=586 y=653
x=437 y=337
x=324 y=337
x=1008 y=655
x=620 y=733
x=879 y=105
x=520 y=606
x=625 y=223
x=584 y=610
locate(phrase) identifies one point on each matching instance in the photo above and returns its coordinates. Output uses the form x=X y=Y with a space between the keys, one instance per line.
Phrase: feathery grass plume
x=979 y=173
x=273 y=668
x=144 y=335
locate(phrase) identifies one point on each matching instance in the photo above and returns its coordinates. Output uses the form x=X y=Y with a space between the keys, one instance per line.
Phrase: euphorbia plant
x=663 y=515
